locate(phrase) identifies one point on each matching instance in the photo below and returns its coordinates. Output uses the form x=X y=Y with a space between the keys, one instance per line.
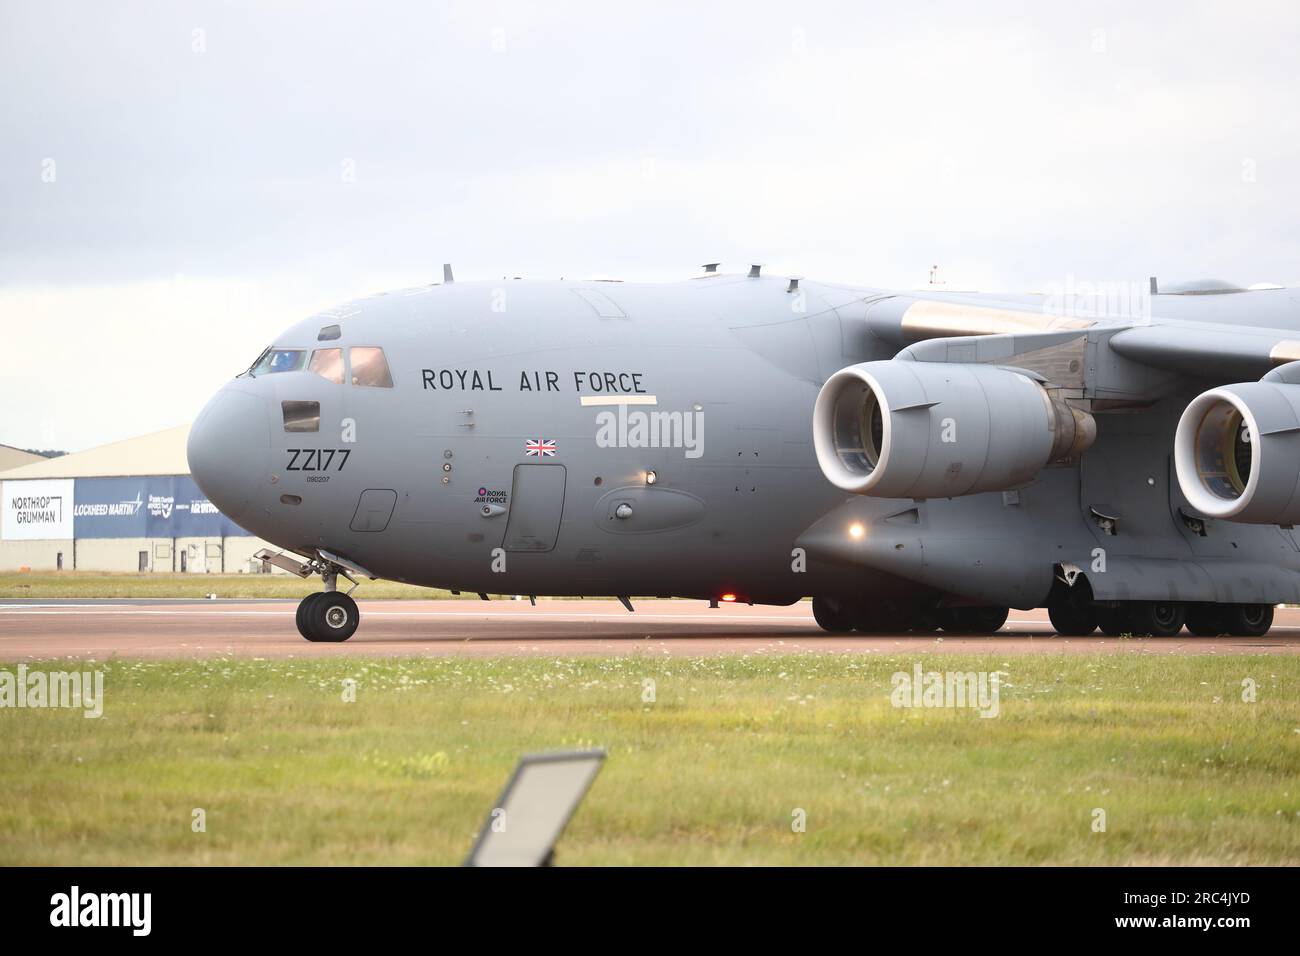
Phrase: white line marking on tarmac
x=90 y=610
x=87 y=610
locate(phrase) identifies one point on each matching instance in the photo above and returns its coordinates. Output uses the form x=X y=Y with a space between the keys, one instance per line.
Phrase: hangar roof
x=11 y=457
x=159 y=453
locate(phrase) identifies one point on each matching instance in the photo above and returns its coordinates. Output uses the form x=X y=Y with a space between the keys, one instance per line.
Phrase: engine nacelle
x=1237 y=453
x=899 y=429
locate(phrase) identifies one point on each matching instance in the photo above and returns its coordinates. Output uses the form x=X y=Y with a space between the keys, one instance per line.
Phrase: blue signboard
x=155 y=507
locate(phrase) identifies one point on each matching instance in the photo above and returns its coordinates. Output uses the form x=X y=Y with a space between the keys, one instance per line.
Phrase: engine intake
x=899 y=429
x=1237 y=453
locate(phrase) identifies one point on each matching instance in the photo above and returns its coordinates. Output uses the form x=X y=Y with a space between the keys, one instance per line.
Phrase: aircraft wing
x=1109 y=358
x=1222 y=353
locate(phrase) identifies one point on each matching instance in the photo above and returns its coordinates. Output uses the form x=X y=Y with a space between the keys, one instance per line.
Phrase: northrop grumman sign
x=168 y=506
x=32 y=510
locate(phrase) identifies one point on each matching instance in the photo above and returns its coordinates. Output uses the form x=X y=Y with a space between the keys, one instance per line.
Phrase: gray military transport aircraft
x=910 y=460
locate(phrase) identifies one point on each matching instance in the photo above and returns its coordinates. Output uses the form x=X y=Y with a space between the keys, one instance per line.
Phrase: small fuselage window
x=369 y=367
x=328 y=364
x=279 y=360
x=301 y=416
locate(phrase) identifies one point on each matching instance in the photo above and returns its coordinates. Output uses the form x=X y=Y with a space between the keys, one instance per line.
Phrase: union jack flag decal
x=539 y=448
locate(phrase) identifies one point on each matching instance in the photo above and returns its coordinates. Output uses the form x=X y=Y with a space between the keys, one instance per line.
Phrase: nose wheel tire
x=300 y=617
x=327 y=617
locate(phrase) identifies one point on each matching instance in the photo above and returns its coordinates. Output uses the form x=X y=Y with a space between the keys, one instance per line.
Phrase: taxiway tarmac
x=180 y=629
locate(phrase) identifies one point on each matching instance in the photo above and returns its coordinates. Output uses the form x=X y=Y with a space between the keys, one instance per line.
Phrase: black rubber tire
x=878 y=618
x=831 y=615
x=331 y=618
x=301 y=617
x=1072 y=620
x=946 y=618
x=1206 y=620
x=1113 y=621
x=977 y=620
x=926 y=621
x=1157 y=618
x=1248 y=620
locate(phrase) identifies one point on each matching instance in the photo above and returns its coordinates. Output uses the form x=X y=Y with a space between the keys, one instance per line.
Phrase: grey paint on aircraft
x=520 y=420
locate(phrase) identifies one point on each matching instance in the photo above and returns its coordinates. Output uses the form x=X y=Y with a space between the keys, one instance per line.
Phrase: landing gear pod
x=1237 y=453
x=899 y=429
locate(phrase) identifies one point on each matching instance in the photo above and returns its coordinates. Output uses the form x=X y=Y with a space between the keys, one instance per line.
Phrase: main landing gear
x=1158 y=618
x=1240 y=620
x=1075 y=613
x=884 y=617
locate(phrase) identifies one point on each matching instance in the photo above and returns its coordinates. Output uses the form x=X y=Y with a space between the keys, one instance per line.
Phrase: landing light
x=651 y=477
x=856 y=531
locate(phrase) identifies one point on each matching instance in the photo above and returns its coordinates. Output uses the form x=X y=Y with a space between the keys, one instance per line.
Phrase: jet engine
x=1237 y=453
x=902 y=429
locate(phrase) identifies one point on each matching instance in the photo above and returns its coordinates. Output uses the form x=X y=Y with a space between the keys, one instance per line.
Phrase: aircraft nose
x=229 y=449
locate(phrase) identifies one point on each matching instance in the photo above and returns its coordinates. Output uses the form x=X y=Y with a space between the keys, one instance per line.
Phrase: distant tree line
x=45 y=453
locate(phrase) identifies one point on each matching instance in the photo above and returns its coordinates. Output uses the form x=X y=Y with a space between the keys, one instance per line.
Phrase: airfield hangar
x=127 y=506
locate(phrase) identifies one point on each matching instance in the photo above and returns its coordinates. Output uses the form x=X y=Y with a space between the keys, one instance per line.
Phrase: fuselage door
x=536 y=506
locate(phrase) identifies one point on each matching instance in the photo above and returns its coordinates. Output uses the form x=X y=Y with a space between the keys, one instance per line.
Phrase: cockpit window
x=328 y=364
x=369 y=367
x=279 y=360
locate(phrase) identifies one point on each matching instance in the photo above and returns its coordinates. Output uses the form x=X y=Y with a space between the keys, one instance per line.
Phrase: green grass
x=710 y=773
x=90 y=584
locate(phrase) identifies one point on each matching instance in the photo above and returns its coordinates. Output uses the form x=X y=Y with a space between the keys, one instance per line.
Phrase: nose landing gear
x=327 y=617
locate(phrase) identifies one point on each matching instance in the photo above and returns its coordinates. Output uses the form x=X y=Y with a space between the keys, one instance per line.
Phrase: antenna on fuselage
x=446 y=274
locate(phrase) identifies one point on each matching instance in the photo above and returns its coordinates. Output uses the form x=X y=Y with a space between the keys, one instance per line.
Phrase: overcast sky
x=179 y=181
